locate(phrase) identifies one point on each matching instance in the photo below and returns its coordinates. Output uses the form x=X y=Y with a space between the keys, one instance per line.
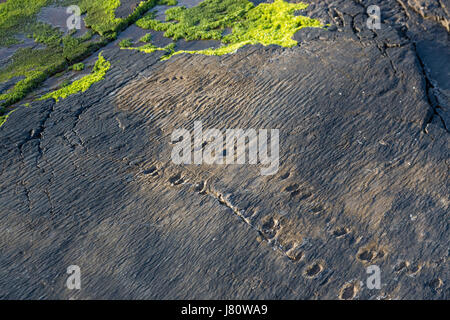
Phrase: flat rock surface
x=362 y=180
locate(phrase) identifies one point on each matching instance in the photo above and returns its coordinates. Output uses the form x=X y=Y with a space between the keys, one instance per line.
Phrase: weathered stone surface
x=363 y=173
x=436 y=10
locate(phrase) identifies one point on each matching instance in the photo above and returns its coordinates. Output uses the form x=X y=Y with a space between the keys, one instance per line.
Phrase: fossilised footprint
x=313 y=270
x=348 y=291
x=295 y=254
x=340 y=232
x=151 y=171
x=270 y=228
x=369 y=254
x=176 y=180
x=296 y=192
x=436 y=283
x=200 y=187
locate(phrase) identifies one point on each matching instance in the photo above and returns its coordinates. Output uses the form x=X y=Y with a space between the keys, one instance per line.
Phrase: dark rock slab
x=363 y=175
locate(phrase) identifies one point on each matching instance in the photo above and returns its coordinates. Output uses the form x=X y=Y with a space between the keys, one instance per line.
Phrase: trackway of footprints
x=270 y=228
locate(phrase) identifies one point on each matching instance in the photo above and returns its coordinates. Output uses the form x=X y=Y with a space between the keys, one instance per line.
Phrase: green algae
x=271 y=23
x=61 y=51
x=16 y=17
x=267 y=24
x=146 y=38
x=208 y=20
x=78 y=67
x=125 y=43
x=100 y=15
x=81 y=85
x=4 y=117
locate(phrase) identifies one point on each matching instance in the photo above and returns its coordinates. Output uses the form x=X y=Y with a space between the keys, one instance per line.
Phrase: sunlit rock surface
x=363 y=176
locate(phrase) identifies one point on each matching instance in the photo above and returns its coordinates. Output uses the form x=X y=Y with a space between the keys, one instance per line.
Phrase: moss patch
x=100 y=15
x=126 y=43
x=16 y=17
x=35 y=66
x=271 y=23
x=205 y=21
x=4 y=117
x=61 y=51
x=266 y=24
x=147 y=38
x=81 y=85
x=78 y=66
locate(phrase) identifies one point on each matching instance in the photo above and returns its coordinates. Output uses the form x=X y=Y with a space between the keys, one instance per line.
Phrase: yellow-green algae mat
x=266 y=24
x=81 y=85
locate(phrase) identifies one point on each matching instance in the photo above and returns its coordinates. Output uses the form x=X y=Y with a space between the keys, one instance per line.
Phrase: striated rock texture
x=363 y=180
x=437 y=10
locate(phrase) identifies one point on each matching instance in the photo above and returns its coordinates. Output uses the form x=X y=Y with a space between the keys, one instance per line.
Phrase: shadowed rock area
x=363 y=175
